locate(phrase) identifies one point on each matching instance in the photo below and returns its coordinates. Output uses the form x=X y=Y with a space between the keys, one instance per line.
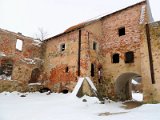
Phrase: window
x=92 y=70
x=19 y=44
x=6 y=69
x=62 y=47
x=129 y=57
x=121 y=31
x=67 y=69
x=94 y=45
x=115 y=58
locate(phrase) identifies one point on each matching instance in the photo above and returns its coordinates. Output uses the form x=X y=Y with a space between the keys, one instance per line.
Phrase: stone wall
x=105 y=33
x=19 y=63
x=150 y=72
x=61 y=66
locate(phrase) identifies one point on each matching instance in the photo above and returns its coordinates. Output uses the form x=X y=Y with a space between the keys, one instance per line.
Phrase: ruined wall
x=23 y=61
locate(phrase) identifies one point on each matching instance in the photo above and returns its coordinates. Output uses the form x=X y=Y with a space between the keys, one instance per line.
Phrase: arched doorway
x=34 y=75
x=124 y=85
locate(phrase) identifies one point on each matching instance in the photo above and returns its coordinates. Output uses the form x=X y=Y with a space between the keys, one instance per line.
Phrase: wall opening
x=6 y=69
x=34 y=75
x=62 y=47
x=65 y=91
x=115 y=58
x=19 y=45
x=92 y=70
x=121 y=31
x=94 y=46
x=124 y=86
x=129 y=57
x=67 y=69
x=45 y=89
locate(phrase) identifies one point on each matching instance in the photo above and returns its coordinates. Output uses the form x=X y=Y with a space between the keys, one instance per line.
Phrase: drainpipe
x=150 y=53
x=79 y=53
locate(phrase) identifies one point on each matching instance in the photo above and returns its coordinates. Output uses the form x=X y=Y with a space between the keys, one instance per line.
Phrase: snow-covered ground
x=137 y=96
x=40 y=106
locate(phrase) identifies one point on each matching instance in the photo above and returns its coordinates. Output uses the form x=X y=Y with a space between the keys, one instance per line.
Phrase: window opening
x=92 y=70
x=129 y=57
x=94 y=45
x=6 y=69
x=115 y=58
x=121 y=31
x=67 y=69
x=62 y=47
x=65 y=91
x=19 y=44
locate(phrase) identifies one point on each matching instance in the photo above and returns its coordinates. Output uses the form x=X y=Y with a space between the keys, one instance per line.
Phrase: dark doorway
x=35 y=75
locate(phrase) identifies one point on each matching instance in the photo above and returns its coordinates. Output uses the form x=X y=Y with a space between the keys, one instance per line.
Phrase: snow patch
x=142 y=16
x=34 y=84
x=137 y=96
x=2 y=54
x=4 y=77
x=37 y=43
x=134 y=82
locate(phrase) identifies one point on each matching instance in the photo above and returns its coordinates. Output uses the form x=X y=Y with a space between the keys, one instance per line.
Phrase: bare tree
x=42 y=35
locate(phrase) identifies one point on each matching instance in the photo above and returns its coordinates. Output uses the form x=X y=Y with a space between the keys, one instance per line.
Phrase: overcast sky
x=54 y=16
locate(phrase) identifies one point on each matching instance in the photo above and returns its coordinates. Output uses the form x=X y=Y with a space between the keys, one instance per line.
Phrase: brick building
x=111 y=50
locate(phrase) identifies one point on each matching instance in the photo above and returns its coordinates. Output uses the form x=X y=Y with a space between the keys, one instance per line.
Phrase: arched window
x=115 y=58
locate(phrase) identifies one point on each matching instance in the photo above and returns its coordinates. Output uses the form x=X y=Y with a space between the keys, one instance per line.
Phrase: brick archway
x=123 y=86
x=34 y=75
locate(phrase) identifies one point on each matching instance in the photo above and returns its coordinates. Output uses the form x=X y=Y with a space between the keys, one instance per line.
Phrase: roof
x=83 y=24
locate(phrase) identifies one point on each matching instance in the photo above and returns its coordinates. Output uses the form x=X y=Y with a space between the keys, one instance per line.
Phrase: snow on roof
x=79 y=84
x=77 y=87
x=91 y=83
x=30 y=84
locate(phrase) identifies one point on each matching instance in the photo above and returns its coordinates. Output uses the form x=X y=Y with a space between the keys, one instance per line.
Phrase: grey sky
x=54 y=16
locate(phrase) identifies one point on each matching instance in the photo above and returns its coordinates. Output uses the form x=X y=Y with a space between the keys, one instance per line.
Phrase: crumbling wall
x=20 y=61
